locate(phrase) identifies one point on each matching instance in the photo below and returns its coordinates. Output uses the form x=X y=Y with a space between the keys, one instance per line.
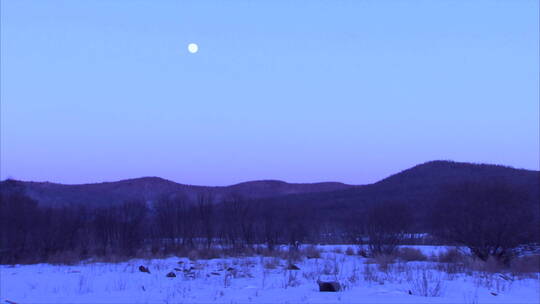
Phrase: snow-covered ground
x=259 y=280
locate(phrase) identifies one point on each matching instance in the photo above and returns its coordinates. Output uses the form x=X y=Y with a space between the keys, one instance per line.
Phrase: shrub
x=271 y=263
x=291 y=279
x=338 y=250
x=368 y=274
x=382 y=261
x=349 y=251
x=312 y=251
x=294 y=255
x=410 y=254
x=426 y=283
x=210 y=253
x=452 y=255
x=450 y=268
x=472 y=213
x=193 y=255
x=492 y=265
x=363 y=253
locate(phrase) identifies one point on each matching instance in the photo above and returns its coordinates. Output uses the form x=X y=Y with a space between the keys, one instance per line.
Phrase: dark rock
x=177 y=269
x=144 y=269
x=329 y=286
x=171 y=275
x=410 y=292
x=292 y=267
x=230 y=269
x=215 y=273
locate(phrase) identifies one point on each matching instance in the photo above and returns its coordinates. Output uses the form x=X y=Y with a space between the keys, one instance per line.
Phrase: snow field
x=263 y=280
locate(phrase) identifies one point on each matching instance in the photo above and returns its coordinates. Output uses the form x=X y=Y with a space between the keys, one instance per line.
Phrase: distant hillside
x=419 y=187
x=152 y=188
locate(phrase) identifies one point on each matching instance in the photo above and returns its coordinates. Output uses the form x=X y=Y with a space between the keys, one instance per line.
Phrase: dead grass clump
x=64 y=258
x=410 y=254
x=450 y=268
x=363 y=253
x=525 y=264
x=193 y=255
x=265 y=252
x=492 y=265
x=426 y=283
x=452 y=255
x=248 y=251
x=382 y=261
x=204 y=253
x=110 y=258
x=210 y=253
x=338 y=250
x=349 y=251
x=294 y=255
x=369 y=275
x=271 y=263
x=311 y=252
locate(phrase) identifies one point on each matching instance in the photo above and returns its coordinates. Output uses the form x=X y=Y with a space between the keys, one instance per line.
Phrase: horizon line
x=260 y=180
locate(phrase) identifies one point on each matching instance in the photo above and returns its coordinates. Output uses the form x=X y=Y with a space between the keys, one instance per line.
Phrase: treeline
x=492 y=219
x=172 y=225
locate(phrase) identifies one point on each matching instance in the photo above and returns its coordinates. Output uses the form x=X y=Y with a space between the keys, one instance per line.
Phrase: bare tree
x=238 y=221
x=491 y=218
x=18 y=214
x=386 y=226
x=173 y=222
x=205 y=216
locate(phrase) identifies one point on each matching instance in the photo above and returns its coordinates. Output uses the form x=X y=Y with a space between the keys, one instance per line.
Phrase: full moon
x=193 y=48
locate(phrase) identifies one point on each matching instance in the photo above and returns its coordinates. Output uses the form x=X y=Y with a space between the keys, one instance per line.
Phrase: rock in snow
x=329 y=286
x=144 y=269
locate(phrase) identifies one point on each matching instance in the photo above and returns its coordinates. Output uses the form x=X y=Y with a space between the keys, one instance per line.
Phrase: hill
x=419 y=187
x=152 y=188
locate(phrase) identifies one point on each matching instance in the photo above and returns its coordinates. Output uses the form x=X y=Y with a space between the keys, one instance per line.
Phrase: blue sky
x=300 y=91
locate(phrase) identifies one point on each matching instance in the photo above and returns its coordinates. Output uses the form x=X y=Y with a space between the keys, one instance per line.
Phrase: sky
x=301 y=91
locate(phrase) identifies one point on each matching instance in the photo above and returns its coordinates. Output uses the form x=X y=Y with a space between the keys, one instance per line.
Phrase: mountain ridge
x=153 y=188
x=407 y=185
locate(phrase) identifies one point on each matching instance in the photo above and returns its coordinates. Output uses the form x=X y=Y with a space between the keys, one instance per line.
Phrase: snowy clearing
x=262 y=280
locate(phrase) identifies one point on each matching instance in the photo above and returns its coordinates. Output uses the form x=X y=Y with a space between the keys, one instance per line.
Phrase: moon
x=193 y=48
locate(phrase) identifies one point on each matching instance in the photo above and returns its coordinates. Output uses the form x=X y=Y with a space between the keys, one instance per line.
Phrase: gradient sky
x=300 y=91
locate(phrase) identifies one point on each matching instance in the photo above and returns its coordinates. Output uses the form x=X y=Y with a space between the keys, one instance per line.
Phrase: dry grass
x=271 y=263
x=205 y=254
x=525 y=265
x=337 y=250
x=349 y=251
x=489 y=266
x=410 y=254
x=311 y=251
x=426 y=283
x=66 y=258
x=451 y=256
x=382 y=261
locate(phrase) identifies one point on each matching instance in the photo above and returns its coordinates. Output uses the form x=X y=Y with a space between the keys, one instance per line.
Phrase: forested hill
x=417 y=186
x=153 y=188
